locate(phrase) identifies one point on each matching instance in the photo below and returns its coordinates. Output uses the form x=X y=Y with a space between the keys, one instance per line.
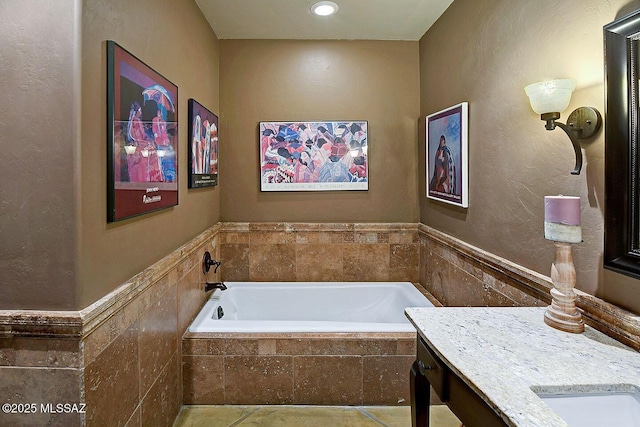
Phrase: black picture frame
x=203 y=146
x=142 y=137
x=621 y=212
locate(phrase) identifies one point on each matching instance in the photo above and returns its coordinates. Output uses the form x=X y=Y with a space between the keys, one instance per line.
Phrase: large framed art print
x=447 y=175
x=142 y=137
x=313 y=156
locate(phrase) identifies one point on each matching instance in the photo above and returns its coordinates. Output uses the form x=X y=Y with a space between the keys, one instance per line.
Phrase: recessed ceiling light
x=324 y=8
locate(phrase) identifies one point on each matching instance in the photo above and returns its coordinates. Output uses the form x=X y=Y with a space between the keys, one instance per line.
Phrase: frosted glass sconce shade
x=552 y=96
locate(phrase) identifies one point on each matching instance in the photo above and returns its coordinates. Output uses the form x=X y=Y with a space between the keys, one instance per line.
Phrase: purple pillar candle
x=562 y=219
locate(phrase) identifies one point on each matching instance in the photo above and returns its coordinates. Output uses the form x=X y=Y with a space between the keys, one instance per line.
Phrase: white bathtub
x=310 y=307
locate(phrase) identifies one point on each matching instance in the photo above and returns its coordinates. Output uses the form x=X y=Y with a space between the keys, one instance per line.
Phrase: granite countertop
x=508 y=354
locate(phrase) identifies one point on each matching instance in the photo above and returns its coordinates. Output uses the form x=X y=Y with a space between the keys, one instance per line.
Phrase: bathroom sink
x=586 y=409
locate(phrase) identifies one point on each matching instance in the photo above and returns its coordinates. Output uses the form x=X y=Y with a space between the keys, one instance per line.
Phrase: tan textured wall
x=173 y=38
x=39 y=131
x=57 y=250
x=320 y=80
x=485 y=52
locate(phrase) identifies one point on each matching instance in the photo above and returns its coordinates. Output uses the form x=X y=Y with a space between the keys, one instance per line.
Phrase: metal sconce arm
x=582 y=123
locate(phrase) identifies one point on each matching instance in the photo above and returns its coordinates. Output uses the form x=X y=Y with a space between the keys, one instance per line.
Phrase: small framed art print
x=447 y=158
x=203 y=146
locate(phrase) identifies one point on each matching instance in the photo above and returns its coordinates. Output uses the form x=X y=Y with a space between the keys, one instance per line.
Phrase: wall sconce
x=552 y=97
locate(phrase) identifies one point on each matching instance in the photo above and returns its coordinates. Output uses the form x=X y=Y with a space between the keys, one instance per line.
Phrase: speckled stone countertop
x=506 y=355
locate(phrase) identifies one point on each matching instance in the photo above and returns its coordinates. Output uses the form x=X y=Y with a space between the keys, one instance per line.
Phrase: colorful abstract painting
x=203 y=146
x=313 y=156
x=142 y=137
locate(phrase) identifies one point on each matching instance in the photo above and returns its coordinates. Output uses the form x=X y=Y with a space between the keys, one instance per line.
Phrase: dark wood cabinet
x=430 y=371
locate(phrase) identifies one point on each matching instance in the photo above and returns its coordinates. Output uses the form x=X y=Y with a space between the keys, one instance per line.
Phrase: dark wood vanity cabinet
x=430 y=371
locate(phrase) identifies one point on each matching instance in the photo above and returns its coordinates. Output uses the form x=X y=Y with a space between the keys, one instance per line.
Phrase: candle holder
x=562 y=226
x=562 y=313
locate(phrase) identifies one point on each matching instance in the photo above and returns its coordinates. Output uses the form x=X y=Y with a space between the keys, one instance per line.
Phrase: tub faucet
x=214 y=285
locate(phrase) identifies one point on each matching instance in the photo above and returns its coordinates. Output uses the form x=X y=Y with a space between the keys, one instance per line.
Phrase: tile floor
x=307 y=416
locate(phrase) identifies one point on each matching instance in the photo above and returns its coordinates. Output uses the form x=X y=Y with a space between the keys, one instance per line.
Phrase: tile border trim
x=290 y=227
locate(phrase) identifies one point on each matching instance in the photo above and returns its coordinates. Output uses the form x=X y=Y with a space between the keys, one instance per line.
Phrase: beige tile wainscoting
x=118 y=359
x=122 y=356
x=281 y=252
x=459 y=274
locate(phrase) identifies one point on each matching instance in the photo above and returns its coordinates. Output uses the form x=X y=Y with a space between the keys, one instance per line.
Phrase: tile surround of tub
x=297 y=368
x=50 y=355
x=319 y=252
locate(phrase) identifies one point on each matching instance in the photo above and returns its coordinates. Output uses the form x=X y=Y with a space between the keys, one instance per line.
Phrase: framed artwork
x=313 y=156
x=142 y=137
x=447 y=159
x=203 y=146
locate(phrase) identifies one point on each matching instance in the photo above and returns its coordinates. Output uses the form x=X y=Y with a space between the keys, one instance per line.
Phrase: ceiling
x=291 y=19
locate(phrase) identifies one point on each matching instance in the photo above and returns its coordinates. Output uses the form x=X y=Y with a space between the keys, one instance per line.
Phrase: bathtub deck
x=312 y=416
